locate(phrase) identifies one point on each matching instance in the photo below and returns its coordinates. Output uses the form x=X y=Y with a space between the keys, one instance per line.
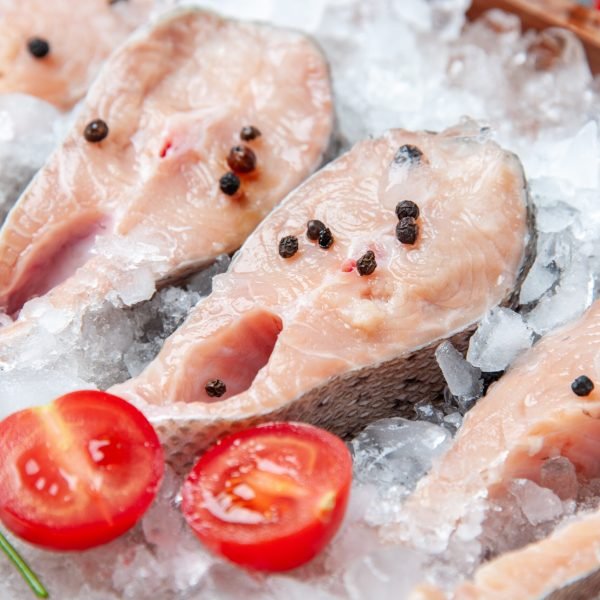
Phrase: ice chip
x=397 y=451
x=388 y=573
x=538 y=281
x=537 y=503
x=292 y=588
x=135 y=286
x=26 y=387
x=462 y=378
x=390 y=457
x=307 y=15
x=162 y=522
x=426 y=411
x=453 y=421
x=356 y=537
x=579 y=158
x=393 y=64
x=569 y=299
x=500 y=338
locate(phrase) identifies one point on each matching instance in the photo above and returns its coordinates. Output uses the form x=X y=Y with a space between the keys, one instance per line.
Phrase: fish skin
x=170 y=83
x=387 y=364
x=528 y=414
x=81 y=35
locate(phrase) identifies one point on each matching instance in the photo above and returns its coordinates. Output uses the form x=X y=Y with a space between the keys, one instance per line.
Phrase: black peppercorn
x=38 y=47
x=215 y=388
x=229 y=183
x=408 y=154
x=407 y=208
x=366 y=264
x=314 y=228
x=95 y=131
x=325 y=238
x=582 y=386
x=241 y=159
x=288 y=246
x=249 y=133
x=407 y=230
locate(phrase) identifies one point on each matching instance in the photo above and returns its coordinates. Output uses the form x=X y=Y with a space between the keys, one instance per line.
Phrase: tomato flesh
x=78 y=472
x=271 y=497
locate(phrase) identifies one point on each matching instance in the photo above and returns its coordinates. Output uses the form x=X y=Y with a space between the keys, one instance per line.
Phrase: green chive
x=28 y=575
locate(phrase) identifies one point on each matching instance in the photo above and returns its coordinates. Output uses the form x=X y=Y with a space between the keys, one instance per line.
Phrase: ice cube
x=538 y=281
x=571 y=297
x=537 y=503
x=292 y=588
x=162 y=524
x=500 y=338
x=390 y=456
x=25 y=387
x=388 y=573
x=397 y=451
x=453 y=421
x=462 y=378
x=578 y=158
x=393 y=64
x=356 y=538
x=227 y=582
x=139 y=355
x=426 y=411
x=306 y=15
x=135 y=286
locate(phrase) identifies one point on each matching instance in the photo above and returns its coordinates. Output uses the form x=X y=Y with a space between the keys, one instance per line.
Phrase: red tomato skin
x=280 y=553
x=81 y=535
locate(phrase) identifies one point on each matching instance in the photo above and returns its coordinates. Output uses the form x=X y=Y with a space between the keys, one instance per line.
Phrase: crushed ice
x=391 y=456
x=29 y=130
x=394 y=64
x=103 y=346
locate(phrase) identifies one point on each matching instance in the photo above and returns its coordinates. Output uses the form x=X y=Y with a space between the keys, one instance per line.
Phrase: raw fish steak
x=193 y=131
x=53 y=49
x=418 y=235
x=539 y=423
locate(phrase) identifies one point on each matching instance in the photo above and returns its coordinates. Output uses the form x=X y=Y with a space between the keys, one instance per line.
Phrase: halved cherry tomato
x=270 y=497
x=77 y=472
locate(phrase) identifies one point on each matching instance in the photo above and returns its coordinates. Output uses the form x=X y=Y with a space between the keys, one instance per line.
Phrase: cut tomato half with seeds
x=271 y=497
x=77 y=472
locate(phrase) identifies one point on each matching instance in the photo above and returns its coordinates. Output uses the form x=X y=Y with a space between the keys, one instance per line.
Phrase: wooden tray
x=539 y=14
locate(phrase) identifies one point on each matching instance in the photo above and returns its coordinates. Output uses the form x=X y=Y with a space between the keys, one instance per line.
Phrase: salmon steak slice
x=337 y=323
x=541 y=423
x=54 y=50
x=193 y=131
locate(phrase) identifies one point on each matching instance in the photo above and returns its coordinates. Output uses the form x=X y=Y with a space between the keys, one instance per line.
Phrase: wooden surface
x=539 y=14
